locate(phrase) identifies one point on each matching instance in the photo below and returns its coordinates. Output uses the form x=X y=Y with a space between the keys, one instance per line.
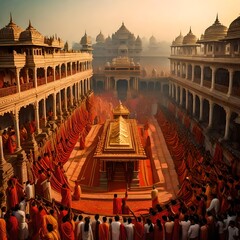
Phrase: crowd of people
x=207 y=206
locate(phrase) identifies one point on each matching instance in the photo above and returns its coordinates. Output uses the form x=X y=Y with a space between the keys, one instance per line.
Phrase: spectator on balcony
x=12 y=142
x=23 y=134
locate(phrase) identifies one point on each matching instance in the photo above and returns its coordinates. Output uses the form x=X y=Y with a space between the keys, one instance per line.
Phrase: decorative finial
x=11 y=17
x=217 y=21
x=180 y=33
x=30 y=24
x=190 y=30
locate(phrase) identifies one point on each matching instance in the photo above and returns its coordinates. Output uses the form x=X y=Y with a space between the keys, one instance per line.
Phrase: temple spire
x=216 y=21
x=11 y=18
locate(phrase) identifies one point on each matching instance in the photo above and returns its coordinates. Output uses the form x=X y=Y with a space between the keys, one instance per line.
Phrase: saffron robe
x=67 y=232
x=104 y=231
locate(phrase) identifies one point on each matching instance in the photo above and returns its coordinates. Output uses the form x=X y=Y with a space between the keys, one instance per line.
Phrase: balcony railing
x=26 y=86
x=8 y=91
x=41 y=81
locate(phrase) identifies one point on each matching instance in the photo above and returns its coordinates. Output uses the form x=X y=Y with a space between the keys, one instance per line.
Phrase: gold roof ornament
x=121 y=110
x=119 y=132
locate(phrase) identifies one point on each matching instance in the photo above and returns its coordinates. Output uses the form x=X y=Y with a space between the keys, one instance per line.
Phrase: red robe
x=12 y=144
x=3 y=229
x=139 y=231
x=12 y=197
x=34 y=217
x=12 y=228
x=103 y=231
x=66 y=197
x=123 y=233
x=159 y=234
x=67 y=232
x=117 y=206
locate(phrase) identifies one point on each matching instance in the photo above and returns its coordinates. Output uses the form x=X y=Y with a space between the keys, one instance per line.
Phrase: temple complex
x=82 y=126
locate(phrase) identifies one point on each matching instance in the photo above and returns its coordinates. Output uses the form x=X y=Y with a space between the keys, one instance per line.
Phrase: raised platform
x=96 y=200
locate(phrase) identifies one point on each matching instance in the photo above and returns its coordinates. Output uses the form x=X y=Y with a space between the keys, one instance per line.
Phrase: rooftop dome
x=123 y=30
x=86 y=40
x=152 y=40
x=11 y=32
x=178 y=40
x=190 y=38
x=108 y=39
x=31 y=35
x=215 y=32
x=100 y=38
x=234 y=29
x=138 y=40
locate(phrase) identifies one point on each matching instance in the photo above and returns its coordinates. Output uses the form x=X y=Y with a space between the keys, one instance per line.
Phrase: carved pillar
x=60 y=71
x=186 y=71
x=176 y=87
x=186 y=99
x=65 y=99
x=54 y=73
x=202 y=74
x=169 y=89
x=44 y=111
x=17 y=72
x=27 y=74
x=228 y=118
x=71 y=68
x=200 y=108
x=36 y=109
x=210 y=121
x=181 y=96
x=45 y=74
x=35 y=77
x=213 y=78
x=194 y=104
x=54 y=106
x=231 y=71
x=16 y=126
x=60 y=103
x=71 y=96
x=193 y=75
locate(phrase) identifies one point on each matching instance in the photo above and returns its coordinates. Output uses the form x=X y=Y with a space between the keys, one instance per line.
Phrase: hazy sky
x=162 y=18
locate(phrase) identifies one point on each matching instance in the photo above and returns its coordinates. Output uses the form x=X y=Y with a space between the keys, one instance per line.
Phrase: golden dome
x=31 y=35
x=100 y=38
x=234 y=29
x=189 y=39
x=11 y=32
x=215 y=32
x=86 y=40
x=178 y=40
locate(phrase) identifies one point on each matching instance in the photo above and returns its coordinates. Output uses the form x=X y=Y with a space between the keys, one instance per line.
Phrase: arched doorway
x=122 y=88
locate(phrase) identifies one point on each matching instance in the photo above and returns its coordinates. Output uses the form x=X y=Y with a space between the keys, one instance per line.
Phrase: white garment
x=220 y=226
x=227 y=221
x=169 y=227
x=23 y=226
x=193 y=231
x=29 y=190
x=232 y=232
x=47 y=190
x=86 y=235
x=147 y=227
x=79 y=229
x=115 y=226
x=185 y=227
x=130 y=231
x=214 y=205
x=23 y=205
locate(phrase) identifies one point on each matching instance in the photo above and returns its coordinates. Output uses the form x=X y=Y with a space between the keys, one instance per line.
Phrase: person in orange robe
x=125 y=207
x=117 y=205
x=67 y=230
x=104 y=230
x=3 y=229
x=11 y=193
x=34 y=217
x=139 y=229
x=66 y=196
x=12 y=226
x=12 y=143
x=77 y=191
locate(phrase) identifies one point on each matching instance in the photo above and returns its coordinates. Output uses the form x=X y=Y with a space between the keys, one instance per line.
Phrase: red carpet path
x=139 y=200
